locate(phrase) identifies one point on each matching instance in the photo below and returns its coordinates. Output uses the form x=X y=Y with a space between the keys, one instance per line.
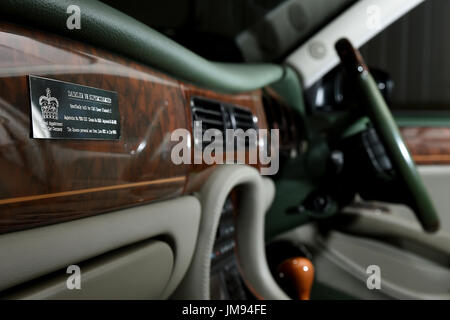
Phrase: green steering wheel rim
x=387 y=129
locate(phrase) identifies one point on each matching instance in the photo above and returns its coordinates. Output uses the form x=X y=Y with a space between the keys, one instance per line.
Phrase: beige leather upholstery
x=257 y=194
x=29 y=254
x=139 y=271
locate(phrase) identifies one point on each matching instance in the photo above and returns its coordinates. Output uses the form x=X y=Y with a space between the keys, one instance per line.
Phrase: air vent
x=242 y=118
x=210 y=113
x=221 y=116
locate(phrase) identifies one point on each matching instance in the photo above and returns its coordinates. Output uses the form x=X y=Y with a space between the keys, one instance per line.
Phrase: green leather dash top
x=109 y=28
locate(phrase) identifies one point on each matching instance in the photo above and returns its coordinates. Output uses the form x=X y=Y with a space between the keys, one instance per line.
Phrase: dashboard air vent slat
x=243 y=118
x=220 y=116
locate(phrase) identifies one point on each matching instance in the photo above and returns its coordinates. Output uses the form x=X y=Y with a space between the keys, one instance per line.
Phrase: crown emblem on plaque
x=49 y=106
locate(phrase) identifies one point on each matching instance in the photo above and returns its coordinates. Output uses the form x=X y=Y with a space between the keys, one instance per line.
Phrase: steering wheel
x=378 y=112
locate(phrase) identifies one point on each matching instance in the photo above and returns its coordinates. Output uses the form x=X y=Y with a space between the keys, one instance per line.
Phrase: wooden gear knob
x=300 y=272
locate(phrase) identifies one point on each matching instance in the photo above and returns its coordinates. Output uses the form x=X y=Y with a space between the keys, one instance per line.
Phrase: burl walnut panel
x=50 y=181
x=428 y=145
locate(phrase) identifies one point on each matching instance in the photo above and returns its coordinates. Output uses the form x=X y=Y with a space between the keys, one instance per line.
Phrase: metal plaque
x=63 y=110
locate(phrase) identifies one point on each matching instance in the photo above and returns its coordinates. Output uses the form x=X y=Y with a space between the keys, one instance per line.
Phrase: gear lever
x=299 y=271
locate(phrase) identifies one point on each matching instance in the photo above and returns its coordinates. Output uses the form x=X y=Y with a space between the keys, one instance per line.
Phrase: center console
x=225 y=279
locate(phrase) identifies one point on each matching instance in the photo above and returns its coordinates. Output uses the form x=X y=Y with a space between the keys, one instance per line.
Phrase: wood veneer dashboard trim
x=82 y=191
x=52 y=181
x=428 y=145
